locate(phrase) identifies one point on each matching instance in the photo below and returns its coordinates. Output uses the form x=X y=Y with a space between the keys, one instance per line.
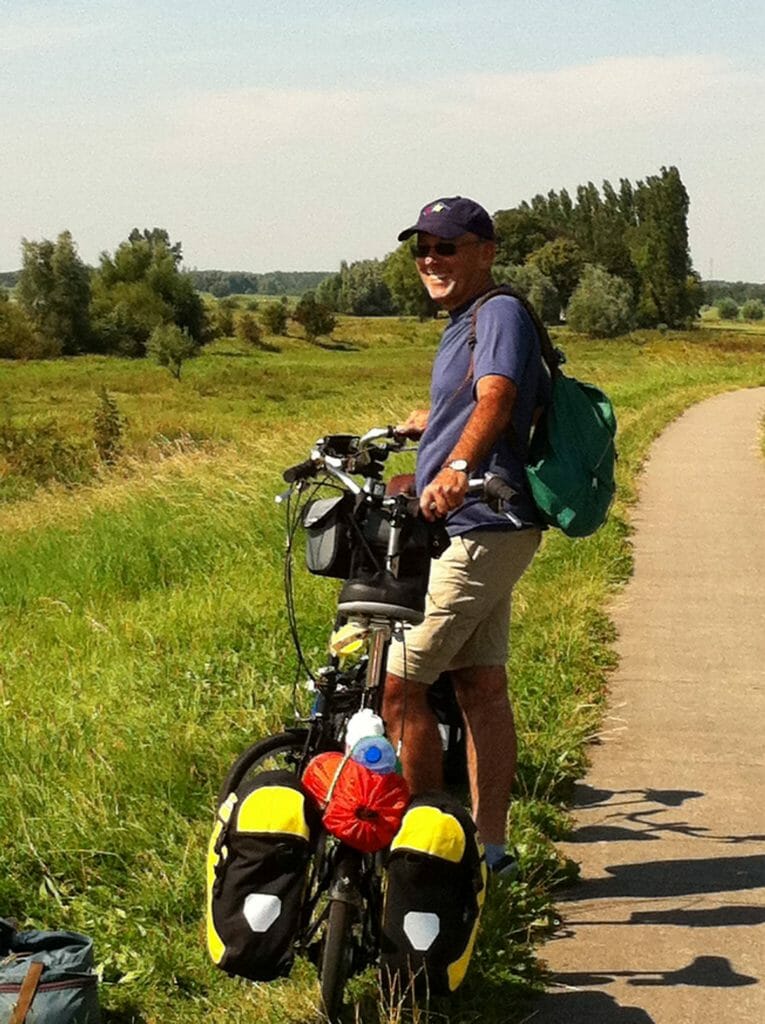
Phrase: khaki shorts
x=467 y=611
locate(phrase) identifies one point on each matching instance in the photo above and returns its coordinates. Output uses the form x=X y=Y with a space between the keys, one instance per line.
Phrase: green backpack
x=571 y=456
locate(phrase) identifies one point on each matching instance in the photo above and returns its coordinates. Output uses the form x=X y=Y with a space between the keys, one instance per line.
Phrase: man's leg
x=491 y=745
x=409 y=718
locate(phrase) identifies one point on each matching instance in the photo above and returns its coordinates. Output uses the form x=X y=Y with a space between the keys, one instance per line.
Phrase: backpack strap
x=553 y=357
x=27 y=993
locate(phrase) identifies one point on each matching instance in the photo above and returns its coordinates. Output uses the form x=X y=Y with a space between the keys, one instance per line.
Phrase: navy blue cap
x=450 y=218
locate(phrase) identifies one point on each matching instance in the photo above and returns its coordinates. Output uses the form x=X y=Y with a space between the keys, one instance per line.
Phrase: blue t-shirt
x=506 y=345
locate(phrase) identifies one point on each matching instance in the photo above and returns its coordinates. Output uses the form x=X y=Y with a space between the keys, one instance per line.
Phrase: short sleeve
x=506 y=340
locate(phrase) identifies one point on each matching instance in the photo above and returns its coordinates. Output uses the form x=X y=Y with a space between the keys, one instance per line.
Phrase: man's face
x=452 y=280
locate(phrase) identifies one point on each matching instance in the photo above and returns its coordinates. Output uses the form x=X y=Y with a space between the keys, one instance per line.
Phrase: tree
x=519 y=232
x=727 y=308
x=404 y=284
x=274 y=316
x=659 y=248
x=141 y=287
x=562 y=262
x=602 y=305
x=54 y=292
x=18 y=338
x=752 y=309
x=357 y=290
x=315 y=318
x=532 y=284
x=171 y=345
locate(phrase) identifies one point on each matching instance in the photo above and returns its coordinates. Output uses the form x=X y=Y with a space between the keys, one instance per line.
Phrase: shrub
x=41 y=453
x=602 y=305
x=171 y=346
x=108 y=425
x=315 y=318
x=752 y=309
x=248 y=330
x=274 y=317
x=727 y=308
x=18 y=338
x=533 y=285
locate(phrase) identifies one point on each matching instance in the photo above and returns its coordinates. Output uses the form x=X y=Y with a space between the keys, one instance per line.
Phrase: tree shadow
x=336 y=346
x=643 y=823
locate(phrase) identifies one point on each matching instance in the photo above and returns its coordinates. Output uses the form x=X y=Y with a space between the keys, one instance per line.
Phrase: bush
x=108 y=425
x=752 y=309
x=41 y=453
x=727 y=308
x=18 y=338
x=602 y=305
x=171 y=346
x=315 y=318
x=274 y=317
x=248 y=330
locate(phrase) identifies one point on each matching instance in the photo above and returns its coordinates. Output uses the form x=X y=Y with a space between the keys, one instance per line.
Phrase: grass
x=144 y=642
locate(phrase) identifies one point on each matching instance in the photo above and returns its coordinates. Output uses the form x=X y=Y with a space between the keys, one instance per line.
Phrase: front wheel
x=336 y=955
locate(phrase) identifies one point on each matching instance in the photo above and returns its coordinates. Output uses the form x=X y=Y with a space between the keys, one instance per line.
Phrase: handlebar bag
x=328 y=542
x=257 y=867
x=47 y=977
x=436 y=883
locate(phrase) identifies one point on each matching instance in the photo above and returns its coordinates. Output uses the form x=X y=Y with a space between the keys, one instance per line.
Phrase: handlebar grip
x=498 y=489
x=412 y=506
x=302 y=471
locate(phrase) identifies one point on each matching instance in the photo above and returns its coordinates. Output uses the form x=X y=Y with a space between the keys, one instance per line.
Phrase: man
x=479 y=419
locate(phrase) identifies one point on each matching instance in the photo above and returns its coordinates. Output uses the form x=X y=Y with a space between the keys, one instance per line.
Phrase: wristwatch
x=458 y=465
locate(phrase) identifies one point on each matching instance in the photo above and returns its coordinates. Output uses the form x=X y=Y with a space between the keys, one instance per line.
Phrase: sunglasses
x=421 y=251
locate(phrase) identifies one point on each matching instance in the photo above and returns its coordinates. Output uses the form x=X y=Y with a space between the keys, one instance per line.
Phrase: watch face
x=459 y=465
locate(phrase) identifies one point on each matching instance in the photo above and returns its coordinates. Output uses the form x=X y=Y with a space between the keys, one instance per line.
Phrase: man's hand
x=446 y=492
x=414 y=425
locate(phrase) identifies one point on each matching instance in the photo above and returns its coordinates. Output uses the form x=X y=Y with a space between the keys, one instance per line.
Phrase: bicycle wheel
x=283 y=750
x=335 y=963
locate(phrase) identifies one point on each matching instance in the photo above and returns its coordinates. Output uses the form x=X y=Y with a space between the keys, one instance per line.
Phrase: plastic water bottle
x=375 y=753
x=363 y=723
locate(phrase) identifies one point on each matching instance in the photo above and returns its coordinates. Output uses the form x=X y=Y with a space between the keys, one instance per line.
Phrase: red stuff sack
x=361 y=807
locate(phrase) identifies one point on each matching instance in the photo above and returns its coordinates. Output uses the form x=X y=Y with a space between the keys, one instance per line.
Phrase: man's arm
x=495 y=398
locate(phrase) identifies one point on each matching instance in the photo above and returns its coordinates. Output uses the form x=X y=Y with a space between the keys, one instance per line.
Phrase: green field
x=144 y=640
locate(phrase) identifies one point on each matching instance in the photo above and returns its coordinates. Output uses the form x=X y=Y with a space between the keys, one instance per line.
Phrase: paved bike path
x=667 y=925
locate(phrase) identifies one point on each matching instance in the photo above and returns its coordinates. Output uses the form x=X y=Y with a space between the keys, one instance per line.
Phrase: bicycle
x=380 y=546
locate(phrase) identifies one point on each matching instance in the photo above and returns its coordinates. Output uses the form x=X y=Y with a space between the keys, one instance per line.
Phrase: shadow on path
x=703 y=972
x=664 y=878
x=586 y=1008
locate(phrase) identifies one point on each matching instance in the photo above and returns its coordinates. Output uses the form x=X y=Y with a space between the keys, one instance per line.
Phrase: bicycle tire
x=335 y=964
x=265 y=753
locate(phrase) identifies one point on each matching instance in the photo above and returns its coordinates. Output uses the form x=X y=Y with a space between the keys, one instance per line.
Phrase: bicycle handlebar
x=338 y=453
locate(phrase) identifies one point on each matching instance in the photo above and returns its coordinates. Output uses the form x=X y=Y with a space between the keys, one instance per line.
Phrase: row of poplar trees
x=635 y=237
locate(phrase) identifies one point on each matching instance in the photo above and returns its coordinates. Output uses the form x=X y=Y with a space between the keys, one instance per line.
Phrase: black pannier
x=436 y=882
x=257 y=869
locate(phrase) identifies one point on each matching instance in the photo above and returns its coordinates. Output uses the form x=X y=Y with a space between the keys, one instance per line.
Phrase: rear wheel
x=336 y=956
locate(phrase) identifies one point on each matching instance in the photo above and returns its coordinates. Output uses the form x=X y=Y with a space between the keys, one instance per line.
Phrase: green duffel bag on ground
x=47 y=978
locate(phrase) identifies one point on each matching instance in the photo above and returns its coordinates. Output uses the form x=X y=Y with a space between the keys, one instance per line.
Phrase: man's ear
x=488 y=253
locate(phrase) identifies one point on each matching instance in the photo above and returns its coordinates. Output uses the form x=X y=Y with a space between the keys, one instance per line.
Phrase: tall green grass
x=145 y=643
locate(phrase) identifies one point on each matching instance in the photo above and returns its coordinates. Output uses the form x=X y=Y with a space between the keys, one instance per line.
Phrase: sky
x=292 y=135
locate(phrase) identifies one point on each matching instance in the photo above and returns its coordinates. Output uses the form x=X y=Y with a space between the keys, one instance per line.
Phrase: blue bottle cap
x=372 y=754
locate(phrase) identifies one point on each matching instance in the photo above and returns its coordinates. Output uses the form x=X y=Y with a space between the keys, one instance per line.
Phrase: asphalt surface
x=667 y=924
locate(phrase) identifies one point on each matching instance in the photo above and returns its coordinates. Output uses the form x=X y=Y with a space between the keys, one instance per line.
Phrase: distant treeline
x=621 y=251
x=739 y=291
x=240 y=282
x=9 y=279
